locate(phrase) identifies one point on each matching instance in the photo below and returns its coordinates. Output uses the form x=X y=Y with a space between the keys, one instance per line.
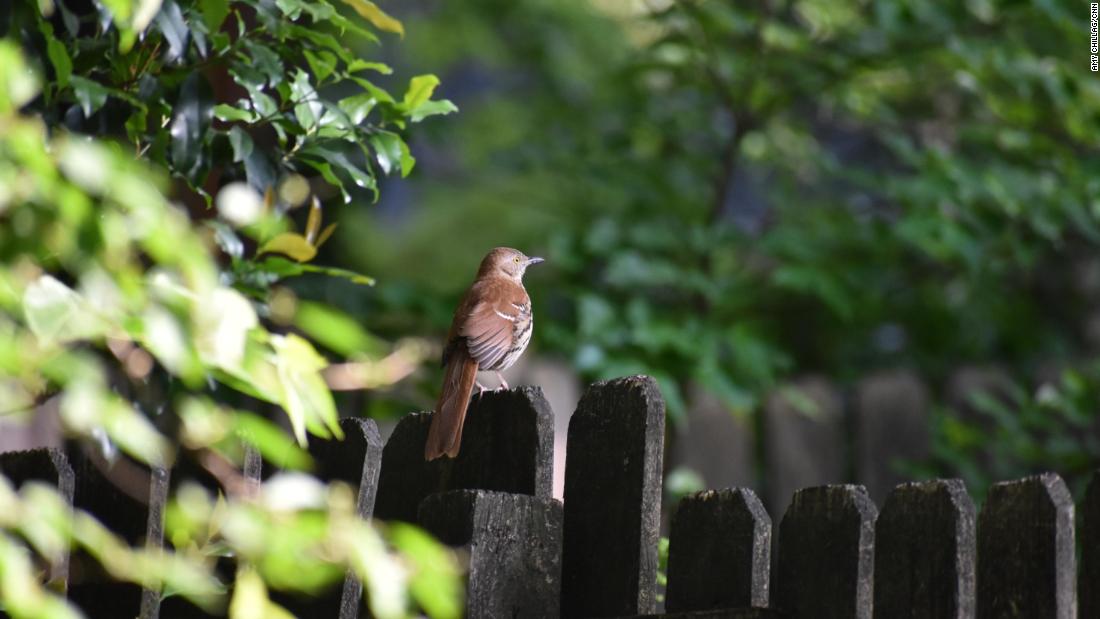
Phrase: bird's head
x=506 y=262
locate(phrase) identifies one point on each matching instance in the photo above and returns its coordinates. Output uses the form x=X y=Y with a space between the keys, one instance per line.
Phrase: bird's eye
x=516 y=259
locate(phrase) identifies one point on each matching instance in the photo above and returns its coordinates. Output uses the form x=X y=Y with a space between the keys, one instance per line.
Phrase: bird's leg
x=503 y=383
x=480 y=388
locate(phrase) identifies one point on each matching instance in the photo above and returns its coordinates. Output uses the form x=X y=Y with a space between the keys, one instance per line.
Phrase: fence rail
x=927 y=553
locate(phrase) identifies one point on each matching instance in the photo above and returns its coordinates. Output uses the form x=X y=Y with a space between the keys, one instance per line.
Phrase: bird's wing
x=489 y=323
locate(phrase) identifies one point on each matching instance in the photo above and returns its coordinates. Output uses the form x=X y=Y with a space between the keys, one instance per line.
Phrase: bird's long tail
x=445 y=433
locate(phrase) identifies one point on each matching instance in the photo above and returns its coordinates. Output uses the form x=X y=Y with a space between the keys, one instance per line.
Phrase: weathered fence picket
x=507 y=446
x=719 y=552
x=514 y=546
x=1088 y=584
x=127 y=498
x=927 y=554
x=826 y=554
x=613 y=500
x=49 y=466
x=356 y=460
x=1026 y=560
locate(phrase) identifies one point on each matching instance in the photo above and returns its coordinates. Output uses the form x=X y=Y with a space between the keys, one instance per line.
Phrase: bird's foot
x=480 y=388
x=503 y=383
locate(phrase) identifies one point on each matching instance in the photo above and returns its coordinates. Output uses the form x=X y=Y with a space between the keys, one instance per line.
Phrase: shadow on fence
x=833 y=553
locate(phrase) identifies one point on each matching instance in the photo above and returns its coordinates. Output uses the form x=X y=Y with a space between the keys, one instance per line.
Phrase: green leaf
x=57 y=53
x=330 y=177
x=357 y=107
x=431 y=108
x=307 y=108
x=436 y=581
x=250 y=600
x=291 y=244
x=387 y=150
x=241 y=143
x=191 y=119
x=213 y=13
x=321 y=63
x=229 y=113
x=370 y=11
x=56 y=313
x=306 y=398
x=375 y=91
x=407 y=160
x=417 y=103
x=420 y=90
x=285 y=268
x=335 y=330
x=172 y=25
x=89 y=94
x=363 y=65
x=136 y=124
x=272 y=442
x=18 y=84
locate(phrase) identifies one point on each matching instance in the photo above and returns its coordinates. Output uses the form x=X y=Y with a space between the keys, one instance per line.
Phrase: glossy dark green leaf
x=259 y=170
x=387 y=150
x=226 y=112
x=241 y=143
x=171 y=24
x=193 y=112
x=307 y=104
x=89 y=94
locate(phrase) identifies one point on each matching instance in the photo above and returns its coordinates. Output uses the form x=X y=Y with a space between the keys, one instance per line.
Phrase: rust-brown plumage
x=491 y=329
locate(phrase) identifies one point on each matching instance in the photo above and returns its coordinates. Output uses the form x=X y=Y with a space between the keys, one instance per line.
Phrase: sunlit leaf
x=306 y=398
x=56 y=313
x=325 y=234
x=435 y=580
x=365 y=65
x=272 y=442
x=376 y=16
x=313 y=223
x=291 y=244
x=250 y=599
x=420 y=90
x=335 y=329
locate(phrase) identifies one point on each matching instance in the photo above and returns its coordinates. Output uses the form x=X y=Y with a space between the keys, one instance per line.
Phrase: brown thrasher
x=490 y=330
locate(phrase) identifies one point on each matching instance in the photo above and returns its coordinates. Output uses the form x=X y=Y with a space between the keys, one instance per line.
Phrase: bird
x=490 y=330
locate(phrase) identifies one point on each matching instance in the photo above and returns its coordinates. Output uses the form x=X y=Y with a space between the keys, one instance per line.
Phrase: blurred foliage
x=732 y=193
x=165 y=330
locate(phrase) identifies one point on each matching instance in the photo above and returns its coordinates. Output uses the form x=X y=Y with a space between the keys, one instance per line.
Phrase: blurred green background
x=730 y=195
x=853 y=241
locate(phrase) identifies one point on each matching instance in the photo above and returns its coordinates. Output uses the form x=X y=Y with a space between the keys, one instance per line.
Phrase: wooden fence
x=834 y=554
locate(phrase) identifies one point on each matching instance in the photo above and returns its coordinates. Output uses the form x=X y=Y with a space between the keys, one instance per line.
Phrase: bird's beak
x=534 y=260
